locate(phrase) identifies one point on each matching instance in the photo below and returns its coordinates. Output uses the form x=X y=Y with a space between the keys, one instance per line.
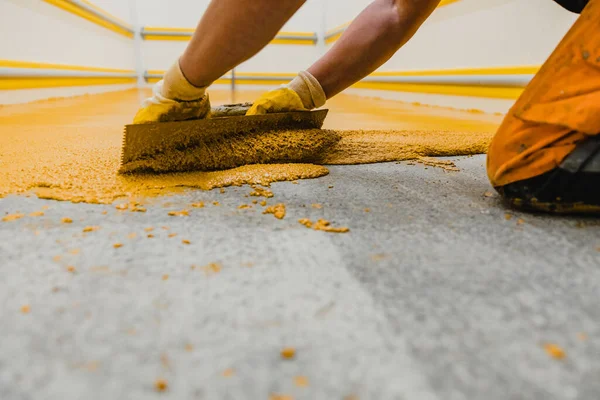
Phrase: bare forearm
x=372 y=38
x=230 y=32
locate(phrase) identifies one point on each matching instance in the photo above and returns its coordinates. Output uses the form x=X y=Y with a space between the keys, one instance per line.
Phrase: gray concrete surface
x=433 y=294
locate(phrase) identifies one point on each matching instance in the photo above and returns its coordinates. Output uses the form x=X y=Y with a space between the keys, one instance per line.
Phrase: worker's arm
x=230 y=32
x=372 y=38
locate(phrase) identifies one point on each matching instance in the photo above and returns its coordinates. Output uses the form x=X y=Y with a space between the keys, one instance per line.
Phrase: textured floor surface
x=437 y=292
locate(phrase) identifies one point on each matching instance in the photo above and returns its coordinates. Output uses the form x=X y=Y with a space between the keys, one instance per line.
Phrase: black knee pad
x=575 y=6
x=573 y=187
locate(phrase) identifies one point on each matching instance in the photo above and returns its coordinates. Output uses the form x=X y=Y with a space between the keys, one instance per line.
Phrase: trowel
x=142 y=141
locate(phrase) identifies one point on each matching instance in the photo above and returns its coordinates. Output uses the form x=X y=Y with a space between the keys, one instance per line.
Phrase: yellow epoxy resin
x=69 y=149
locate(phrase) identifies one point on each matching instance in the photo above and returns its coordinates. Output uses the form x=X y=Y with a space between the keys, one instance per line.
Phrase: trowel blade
x=146 y=140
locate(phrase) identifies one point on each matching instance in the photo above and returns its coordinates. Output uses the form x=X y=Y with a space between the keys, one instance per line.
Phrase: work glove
x=174 y=99
x=304 y=92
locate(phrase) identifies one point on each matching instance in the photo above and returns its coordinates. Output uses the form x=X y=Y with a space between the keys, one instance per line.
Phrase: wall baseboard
x=16 y=75
x=487 y=82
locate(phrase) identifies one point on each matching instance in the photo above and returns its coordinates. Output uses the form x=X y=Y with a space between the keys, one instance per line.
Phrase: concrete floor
x=433 y=294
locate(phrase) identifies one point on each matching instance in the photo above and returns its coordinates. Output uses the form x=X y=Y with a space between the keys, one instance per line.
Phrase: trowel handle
x=230 y=110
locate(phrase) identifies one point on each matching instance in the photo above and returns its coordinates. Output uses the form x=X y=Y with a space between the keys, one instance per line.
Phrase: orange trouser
x=557 y=110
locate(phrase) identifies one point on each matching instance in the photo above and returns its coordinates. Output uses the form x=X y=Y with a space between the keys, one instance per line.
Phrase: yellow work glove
x=174 y=99
x=304 y=92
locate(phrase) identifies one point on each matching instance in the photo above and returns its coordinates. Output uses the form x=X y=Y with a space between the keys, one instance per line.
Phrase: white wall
x=36 y=31
x=338 y=12
x=170 y=13
x=282 y=58
x=187 y=13
x=29 y=95
x=117 y=8
x=33 y=30
x=308 y=19
x=470 y=34
x=474 y=33
x=159 y=55
x=464 y=34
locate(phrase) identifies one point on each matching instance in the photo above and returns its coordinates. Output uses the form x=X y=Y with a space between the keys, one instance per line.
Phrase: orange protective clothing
x=559 y=108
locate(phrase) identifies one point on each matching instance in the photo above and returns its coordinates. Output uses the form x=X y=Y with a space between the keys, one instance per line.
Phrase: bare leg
x=372 y=38
x=230 y=32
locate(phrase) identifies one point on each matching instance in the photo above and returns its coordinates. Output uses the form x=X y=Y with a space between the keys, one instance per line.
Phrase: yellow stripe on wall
x=284 y=78
x=334 y=38
x=106 y=13
x=161 y=29
x=302 y=42
x=268 y=74
x=242 y=81
x=62 y=67
x=305 y=34
x=46 y=82
x=510 y=70
x=41 y=81
x=516 y=70
x=83 y=13
x=167 y=30
x=455 y=90
x=446 y=2
x=184 y=34
x=164 y=37
x=499 y=92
